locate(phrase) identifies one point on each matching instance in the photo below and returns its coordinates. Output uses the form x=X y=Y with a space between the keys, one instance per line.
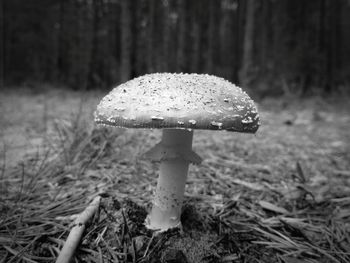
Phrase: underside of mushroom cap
x=171 y=100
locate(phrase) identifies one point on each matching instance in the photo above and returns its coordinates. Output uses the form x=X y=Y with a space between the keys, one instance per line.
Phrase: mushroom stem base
x=166 y=210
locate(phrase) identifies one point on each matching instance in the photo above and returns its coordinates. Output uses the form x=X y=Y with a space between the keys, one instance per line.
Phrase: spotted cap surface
x=169 y=100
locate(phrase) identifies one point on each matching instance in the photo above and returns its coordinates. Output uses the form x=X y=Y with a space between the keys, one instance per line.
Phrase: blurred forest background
x=272 y=46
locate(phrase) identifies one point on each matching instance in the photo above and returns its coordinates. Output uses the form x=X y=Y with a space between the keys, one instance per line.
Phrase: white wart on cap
x=167 y=100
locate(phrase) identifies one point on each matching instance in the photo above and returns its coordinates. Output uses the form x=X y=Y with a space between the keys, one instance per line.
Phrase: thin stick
x=77 y=231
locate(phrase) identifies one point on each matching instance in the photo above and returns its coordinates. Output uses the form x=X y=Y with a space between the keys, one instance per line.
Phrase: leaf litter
x=281 y=196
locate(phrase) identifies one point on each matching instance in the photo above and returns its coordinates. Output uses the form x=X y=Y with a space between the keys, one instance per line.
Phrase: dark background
x=269 y=46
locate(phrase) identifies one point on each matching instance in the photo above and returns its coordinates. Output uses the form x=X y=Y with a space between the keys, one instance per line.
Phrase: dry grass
x=280 y=196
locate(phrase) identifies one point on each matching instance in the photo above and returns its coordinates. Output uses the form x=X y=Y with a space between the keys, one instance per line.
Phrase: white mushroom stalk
x=175 y=154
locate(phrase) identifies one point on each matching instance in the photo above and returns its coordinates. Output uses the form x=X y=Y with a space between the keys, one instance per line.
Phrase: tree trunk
x=265 y=28
x=238 y=34
x=248 y=41
x=159 y=36
x=321 y=25
x=333 y=45
x=227 y=40
x=336 y=25
x=61 y=49
x=196 y=46
x=126 y=36
x=2 y=45
x=195 y=37
x=150 y=37
x=180 y=54
x=166 y=37
x=94 y=80
x=210 y=37
x=135 y=37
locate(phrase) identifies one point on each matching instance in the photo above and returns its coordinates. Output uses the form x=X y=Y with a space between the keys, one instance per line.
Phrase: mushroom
x=178 y=104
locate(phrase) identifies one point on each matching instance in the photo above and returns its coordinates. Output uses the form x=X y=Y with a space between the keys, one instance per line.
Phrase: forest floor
x=282 y=195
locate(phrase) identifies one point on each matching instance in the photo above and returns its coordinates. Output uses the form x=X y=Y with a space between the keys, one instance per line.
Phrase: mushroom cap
x=172 y=100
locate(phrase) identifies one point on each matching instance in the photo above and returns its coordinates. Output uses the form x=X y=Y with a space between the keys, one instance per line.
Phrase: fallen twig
x=77 y=231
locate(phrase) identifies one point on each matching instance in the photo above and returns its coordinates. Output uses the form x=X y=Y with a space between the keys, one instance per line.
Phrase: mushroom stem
x=166 y=210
